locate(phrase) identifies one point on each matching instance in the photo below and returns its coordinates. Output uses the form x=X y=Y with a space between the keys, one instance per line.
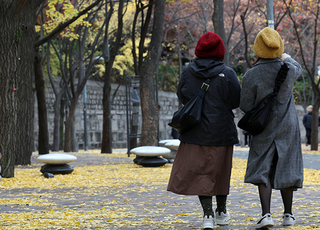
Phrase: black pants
x=308 y=135
x=247 y=139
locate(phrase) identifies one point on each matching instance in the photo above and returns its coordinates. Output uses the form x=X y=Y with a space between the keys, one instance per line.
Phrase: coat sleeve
x=182 y=82
x=235 y=90
x=295 y=66
x=304 y=120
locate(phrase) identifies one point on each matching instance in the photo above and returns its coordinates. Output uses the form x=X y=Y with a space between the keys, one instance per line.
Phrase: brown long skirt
x=201 y=170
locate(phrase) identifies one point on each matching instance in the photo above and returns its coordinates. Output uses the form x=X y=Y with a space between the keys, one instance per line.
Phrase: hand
x=284 y=56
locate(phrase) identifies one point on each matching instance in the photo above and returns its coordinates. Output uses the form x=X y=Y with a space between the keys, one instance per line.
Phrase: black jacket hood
x=206 y=67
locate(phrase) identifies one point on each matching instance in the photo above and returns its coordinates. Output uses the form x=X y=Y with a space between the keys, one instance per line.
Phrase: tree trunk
x=243 y=20
x=43 y=136
x=74 y=140
x=134 y=122
x=56 y=121
x=138 y=61
x=25 y=141
x=16 y=78
x=218 y=24
x=106 y=146
x=8 y=96
x=315 y=123
x=149 y=108
x=62 y=122
x=25 y=74
x=68 y=142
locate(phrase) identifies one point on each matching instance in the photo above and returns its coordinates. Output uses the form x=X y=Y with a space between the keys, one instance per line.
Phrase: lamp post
x=85 y=118
x=270 y=16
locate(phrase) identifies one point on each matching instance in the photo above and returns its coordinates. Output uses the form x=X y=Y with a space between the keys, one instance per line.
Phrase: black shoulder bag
x=257 y=119
x=189 y=115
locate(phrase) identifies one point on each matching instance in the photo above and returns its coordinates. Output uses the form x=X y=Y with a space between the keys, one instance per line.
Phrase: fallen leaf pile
x=118 y=194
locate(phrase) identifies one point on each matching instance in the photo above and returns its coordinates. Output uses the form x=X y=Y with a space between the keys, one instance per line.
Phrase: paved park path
x=109 y=191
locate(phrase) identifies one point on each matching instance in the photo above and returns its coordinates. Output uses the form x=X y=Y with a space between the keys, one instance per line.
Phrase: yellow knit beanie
x=268 y=44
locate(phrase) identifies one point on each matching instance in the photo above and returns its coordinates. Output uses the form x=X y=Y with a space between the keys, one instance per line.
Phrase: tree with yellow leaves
x=76 y=50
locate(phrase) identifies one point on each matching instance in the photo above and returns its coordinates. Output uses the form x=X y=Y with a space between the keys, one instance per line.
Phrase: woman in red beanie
x=203 y=162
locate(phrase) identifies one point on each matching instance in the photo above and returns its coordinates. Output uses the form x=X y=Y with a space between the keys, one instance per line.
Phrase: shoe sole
x=288 y=224
x=265 y=226
x=225 y=222
x=209 y=228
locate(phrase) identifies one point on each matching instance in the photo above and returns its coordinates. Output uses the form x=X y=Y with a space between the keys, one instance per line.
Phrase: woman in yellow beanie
x=275 y=157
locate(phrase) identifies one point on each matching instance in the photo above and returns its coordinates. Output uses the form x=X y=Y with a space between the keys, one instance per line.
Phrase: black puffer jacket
x=217 y=127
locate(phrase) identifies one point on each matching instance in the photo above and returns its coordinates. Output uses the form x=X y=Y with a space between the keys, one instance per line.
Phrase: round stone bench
x=56 y=163
x=163 y=142
x=173 y=145
x=149 y=156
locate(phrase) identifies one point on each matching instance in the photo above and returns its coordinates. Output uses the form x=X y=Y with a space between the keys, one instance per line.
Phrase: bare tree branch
x=243 y=16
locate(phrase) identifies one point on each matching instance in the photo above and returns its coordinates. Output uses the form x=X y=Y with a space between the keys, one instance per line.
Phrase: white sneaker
x=288 y=219
x=222 y=218
x=209 y=222
x=265 y=221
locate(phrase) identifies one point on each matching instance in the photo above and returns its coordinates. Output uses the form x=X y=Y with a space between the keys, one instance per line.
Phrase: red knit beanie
x=210 y=45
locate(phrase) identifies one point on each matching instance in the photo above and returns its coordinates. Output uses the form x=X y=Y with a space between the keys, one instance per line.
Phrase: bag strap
x=206 y=84
x=282 y=74
x=204 y=87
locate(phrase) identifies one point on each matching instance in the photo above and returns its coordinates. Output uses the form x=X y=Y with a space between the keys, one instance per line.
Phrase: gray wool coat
x=282 y=134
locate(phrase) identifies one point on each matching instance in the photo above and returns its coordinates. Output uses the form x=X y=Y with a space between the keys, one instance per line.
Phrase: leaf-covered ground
x=109 y=191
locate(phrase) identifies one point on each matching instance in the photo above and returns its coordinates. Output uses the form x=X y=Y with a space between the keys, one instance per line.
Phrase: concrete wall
x=168 y=102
